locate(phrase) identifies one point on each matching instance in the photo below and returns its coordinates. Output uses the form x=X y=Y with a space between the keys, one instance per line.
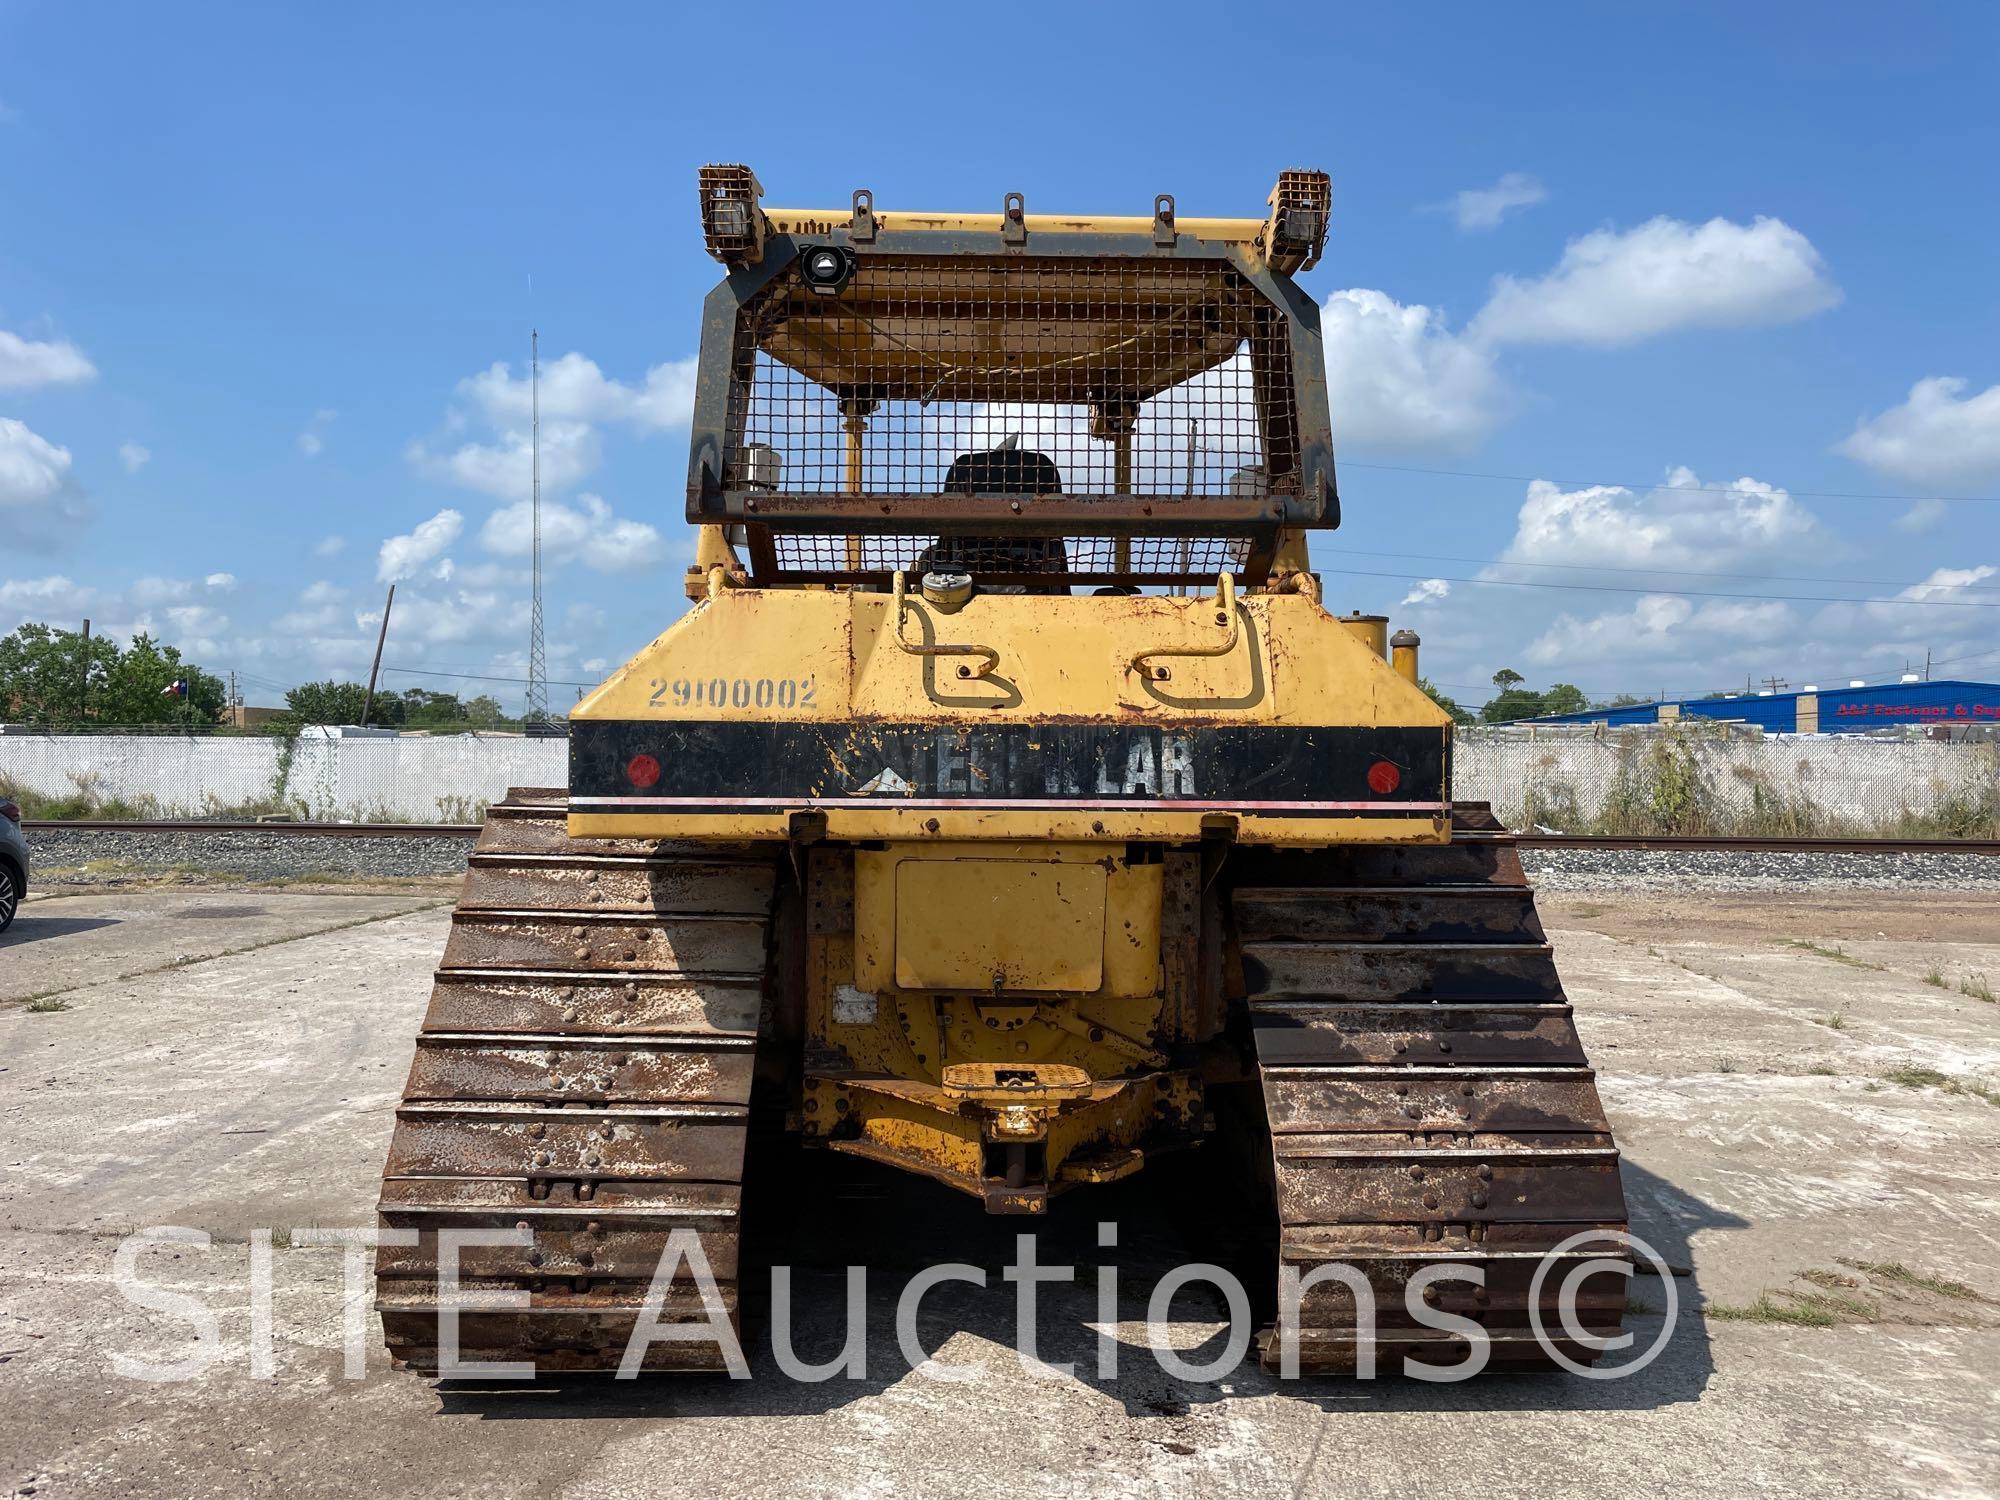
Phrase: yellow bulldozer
x=1007 y=809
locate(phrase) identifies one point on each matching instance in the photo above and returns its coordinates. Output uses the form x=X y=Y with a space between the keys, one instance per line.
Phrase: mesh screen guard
x=1124 y=419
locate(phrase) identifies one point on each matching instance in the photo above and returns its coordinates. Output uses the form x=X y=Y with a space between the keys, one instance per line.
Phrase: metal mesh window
x=925 y=378
x=1001 y=560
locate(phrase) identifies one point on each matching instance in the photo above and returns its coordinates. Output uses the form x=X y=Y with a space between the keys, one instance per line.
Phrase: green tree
x=483 y=712
x=136 y=688
x=1459 y=715
x=1512 y=701
x=58 y=678
x=332 y=702
x=1564 y=699
x=422 y=707
x=50 y=676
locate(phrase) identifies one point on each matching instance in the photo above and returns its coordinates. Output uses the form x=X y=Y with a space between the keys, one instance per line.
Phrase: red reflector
x=642 y=770
x=1384 y=778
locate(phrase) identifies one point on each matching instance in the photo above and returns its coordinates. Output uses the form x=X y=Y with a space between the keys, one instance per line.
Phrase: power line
x=1710 y=489
x=1615 y=588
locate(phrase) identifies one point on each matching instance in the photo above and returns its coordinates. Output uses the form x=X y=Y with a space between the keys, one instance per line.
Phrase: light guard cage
x=1173 y=386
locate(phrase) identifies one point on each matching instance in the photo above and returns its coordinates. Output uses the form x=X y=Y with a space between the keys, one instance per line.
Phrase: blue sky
x=258 y=265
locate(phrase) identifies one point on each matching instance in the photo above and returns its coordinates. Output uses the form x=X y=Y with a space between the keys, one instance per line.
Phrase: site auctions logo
x=683 y=1264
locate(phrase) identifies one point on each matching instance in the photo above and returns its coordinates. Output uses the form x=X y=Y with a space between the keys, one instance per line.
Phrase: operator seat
x=1006 y=470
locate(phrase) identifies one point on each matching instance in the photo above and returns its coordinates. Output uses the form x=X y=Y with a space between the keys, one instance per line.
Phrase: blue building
x=1813 y=710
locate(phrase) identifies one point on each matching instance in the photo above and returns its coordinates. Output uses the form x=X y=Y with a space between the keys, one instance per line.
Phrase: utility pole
x=536 y=708
x=1776 y=684
x=375 y=668
x=83 y=678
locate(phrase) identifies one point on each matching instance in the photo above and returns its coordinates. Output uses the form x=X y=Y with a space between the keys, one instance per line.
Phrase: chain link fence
x=1692 y=778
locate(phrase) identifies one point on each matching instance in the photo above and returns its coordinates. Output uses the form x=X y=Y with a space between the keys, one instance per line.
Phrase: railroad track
x=1669 y=843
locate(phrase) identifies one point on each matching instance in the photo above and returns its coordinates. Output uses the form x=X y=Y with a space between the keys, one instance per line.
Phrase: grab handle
x=1226 y=615
x=989 y=658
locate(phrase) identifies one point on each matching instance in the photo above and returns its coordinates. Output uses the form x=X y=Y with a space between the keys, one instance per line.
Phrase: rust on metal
x=582 y=1078
x=1427 y=1096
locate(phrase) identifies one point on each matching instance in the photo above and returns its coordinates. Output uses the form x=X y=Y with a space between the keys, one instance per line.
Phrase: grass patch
x=1827 y=1305
x=1934 y=977
x=1835 y=954
x=1897 y=1274
x=1771 y=1308
x=1911 y=1076
x=1836 y=1021
x=87 y=800
x=1976 y=986
x=1823 y=1070
x=43 y=1005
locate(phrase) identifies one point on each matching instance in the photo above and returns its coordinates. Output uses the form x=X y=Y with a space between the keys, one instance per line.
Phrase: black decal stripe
x=1289 y=770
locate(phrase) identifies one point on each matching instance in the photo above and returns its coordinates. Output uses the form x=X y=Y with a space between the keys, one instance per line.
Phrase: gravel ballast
x=62 y=855
x=1686 y=872
x=282 y=856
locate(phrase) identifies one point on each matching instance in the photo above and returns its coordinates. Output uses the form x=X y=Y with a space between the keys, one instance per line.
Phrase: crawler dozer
x=1007 y=809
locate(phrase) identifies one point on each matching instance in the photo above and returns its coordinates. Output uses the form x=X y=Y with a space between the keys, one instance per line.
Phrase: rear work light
x=1383 y=778
x=642 y=771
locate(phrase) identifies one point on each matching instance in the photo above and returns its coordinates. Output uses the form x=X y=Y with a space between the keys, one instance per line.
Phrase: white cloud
x=1938 y=436
x=1484 y=208
x=1426 y=592
x=322 y=592
x=313 y=439
x=574 y=389
x=54 y=598
x=148 y=592
x=1921 y=517
x=402 y=556
x=197 y=629
x=1663 y=628
x=26 y=364
x=33 y=470
x=454 y=617
x=587 y=532
x=1682 y=524
x=1616 y=287
x=1399 y=379
x=134 y=457
x=1945 y=583
x=329 y=546
x=221 y=583
x=576 y=399
x=570 y=450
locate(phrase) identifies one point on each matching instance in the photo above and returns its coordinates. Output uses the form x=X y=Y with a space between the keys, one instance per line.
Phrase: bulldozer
x=1007 y=808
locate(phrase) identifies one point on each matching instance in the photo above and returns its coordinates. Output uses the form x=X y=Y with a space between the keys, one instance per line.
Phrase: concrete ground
x=1807 y=1089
